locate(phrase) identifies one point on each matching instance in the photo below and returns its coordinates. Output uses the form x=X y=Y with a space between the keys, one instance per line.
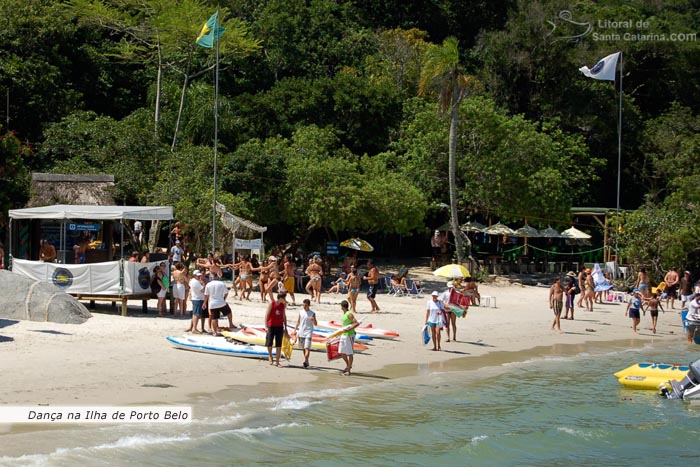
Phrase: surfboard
x=287 y=346
x=344 y=329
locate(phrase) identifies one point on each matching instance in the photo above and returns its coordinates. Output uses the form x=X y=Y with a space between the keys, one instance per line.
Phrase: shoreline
x=115 y=360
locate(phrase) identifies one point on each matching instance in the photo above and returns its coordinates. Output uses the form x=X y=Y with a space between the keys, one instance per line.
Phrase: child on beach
x=338 y=284
x=556 y=302
x=633 y=306
x=654 y=304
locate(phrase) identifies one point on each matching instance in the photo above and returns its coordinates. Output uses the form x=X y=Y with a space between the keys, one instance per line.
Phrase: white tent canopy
x=65 y=212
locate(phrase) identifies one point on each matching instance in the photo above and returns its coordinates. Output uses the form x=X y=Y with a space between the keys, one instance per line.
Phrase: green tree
x=14 y=176
x=506 y=165
x=84 y=142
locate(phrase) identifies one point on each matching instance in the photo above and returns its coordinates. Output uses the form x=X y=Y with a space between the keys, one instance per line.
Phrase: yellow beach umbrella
x=357 y=243
x=452 y=271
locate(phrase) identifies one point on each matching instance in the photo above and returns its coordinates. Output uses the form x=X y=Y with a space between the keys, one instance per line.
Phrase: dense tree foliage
x=322 y=126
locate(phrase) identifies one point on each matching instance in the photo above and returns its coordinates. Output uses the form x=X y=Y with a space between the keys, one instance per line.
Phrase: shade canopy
x=473 y=226
x=357 y=244
x=549 y=232
x=499 y=229
x=574 y=233
x=242 y=228
x=67 y=211
x=527 y=231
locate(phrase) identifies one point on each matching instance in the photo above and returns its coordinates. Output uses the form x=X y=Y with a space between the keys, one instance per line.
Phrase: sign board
x=241 y=244
x=332 y=248
x=84 y=227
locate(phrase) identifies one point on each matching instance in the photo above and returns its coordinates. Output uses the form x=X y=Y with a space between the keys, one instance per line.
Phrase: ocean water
x=548 y=409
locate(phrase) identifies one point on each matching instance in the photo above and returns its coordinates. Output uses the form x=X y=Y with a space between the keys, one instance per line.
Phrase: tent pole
x=121 y=241
x=62 y=241
x=9 y=238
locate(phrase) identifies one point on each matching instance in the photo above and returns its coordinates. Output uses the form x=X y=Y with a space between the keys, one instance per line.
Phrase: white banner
x=240 y=244
x=93 y=278
x=137 y=277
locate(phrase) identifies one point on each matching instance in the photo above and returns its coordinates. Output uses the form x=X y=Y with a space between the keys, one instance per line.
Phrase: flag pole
x=216 y=127
x=619 y=159
x=619 y=139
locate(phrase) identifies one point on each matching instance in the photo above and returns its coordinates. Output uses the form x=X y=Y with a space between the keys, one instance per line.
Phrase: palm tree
x=443 y=72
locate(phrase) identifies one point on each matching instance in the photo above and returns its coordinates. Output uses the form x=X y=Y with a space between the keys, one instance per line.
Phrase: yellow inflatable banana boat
x=650 y=375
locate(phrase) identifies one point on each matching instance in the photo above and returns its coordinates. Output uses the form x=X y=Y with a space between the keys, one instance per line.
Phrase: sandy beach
x=112 y=359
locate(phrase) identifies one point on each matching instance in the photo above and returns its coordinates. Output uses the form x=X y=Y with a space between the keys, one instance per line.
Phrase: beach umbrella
x=575 y=234
x=357 y=244
x=452 y=271
x=549 y=232
x=472 y=226
x=499 y=229
x=526 y=231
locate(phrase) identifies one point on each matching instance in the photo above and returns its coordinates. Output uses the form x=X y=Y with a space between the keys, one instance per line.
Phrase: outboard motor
x=688 y=387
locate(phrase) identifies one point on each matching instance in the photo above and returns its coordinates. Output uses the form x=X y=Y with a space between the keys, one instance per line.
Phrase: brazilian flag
x=211 y=32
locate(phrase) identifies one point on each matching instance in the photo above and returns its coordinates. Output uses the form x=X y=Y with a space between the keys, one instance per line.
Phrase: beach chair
x=413 y=289
x=390 y=288
x=659 y=289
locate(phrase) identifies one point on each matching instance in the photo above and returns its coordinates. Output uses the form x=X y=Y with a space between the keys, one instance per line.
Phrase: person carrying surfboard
x=347 y=339
x=276 y=326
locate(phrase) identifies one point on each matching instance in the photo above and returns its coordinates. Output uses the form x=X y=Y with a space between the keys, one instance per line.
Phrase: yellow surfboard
x=287 y=346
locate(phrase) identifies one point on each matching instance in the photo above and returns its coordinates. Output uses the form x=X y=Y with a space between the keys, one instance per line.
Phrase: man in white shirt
x=138 y=232
x=215 y=293
x=197 y=295
x=305 y=329
x=176 y=253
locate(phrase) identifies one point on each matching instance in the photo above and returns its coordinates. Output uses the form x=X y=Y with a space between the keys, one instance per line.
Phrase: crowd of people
x=643 y=297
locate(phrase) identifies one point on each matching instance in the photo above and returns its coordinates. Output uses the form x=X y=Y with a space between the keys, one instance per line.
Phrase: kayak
x=367 y=330
x=650 y=375
x=219 y=346
x=255 y=336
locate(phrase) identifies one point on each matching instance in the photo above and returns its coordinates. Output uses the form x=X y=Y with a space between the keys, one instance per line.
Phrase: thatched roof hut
x=90 y=189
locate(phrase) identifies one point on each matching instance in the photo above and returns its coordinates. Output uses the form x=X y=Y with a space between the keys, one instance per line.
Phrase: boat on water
x=650 y=375
x=692 y=327
x=367 y=330
x=219 y=346
x=688 y=388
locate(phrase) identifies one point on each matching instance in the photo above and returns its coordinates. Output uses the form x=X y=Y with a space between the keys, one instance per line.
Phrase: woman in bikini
x=274 y=277
x=264 y=271
x=180 y=280
x=245 y=273
x=353 y=281
x=314 y=271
